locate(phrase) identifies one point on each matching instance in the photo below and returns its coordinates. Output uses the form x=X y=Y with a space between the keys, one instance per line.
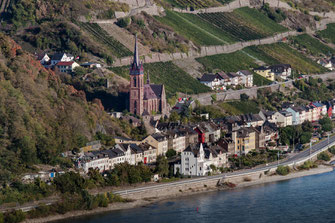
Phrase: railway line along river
x=306 y=199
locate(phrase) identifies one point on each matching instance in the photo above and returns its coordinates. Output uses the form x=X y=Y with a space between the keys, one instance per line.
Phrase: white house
x=67 y=67
x=211 y=80
x=326 y=63
x=247 y=78
x=282 y=70
x=43 y=58
x=197 y=159
x=234 y=78
x=225 y=81
x=61 y=57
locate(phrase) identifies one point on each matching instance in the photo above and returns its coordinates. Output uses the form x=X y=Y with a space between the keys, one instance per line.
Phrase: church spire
x=148 y=78
x=136 y=61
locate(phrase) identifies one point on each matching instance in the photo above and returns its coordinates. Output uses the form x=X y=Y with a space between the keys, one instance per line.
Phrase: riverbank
x=151 y=197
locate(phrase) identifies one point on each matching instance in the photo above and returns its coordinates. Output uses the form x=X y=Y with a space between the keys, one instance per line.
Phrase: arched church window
x=134 y=81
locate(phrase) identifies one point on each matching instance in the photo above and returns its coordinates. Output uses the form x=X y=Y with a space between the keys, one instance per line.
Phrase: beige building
x=283 y=118
x=158 y=141
x=245 y=140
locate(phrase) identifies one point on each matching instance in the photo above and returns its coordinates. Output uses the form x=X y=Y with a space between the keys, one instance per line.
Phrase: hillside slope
x=39 y=116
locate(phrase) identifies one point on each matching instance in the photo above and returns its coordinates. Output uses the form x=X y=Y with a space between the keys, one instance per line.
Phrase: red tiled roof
x=65 y=63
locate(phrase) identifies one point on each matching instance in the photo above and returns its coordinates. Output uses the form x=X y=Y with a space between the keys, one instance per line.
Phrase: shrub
x=123 y=22
x=171 y=153
x=332 y=150
x=283 y=170
x=307 y=165
x=324 y=156
x=244 y=97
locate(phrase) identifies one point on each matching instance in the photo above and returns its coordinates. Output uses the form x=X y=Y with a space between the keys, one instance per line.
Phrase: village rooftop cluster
x=207 y=143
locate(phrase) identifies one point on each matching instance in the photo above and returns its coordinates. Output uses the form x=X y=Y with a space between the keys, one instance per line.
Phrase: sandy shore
x=142 y=202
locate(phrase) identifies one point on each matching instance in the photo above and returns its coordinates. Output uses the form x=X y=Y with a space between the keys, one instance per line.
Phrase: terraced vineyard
x=311 y=45
x=231 y=62
x=222 y=28
x=328 y=34
x=173 y=78
x=194 y=4
x=116 y=48
x=244 y=23
x=282 y=53
x=195 y=29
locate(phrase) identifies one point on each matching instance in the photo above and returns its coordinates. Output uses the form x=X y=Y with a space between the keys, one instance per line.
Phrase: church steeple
x=136 y=61
x=136 y=67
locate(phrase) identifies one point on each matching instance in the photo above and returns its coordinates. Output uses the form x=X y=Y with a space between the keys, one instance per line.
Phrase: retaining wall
x=207 y=50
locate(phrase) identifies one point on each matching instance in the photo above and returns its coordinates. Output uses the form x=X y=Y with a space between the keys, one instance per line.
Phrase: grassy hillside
x=244 y=23
x=328 y=34
x=311 y=45
x=174 y=78
x=240 y=107
x=282 y=53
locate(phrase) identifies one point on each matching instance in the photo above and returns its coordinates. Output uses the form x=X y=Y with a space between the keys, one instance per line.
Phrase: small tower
x=136 y=84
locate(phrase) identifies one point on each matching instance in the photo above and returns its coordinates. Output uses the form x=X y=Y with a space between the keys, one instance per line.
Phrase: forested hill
x=39 y=116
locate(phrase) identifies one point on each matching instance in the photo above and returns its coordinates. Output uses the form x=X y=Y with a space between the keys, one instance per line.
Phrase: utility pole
x=310 y=149
x=278 y=158
x=328 y=141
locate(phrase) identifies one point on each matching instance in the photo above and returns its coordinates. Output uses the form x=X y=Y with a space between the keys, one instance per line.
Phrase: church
x=144 y=99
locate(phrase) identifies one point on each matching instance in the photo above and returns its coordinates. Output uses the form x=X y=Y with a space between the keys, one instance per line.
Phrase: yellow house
x=265 y=72
x=245 y=140
x=158 y=141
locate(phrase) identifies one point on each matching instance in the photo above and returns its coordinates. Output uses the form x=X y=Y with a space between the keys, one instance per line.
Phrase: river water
x=306 y=200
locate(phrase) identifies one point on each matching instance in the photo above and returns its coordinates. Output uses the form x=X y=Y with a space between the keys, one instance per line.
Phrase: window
x=134 y=81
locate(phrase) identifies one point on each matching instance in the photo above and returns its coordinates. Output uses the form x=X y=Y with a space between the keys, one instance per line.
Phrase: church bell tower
x=136 y=84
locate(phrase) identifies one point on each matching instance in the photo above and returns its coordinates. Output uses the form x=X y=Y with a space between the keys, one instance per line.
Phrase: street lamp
x=278 y=158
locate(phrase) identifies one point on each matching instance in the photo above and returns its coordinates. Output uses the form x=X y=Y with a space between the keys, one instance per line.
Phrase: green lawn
x=174 y=79
x=282 y=53
x=312 y=45
x=240 y=107
x=328 y=34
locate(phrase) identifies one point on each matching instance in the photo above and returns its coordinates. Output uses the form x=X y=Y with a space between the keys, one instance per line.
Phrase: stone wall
x=208 y=50
x=226 y=8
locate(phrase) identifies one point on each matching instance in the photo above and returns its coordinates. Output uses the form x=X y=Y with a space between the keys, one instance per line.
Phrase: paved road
x=291 y=160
